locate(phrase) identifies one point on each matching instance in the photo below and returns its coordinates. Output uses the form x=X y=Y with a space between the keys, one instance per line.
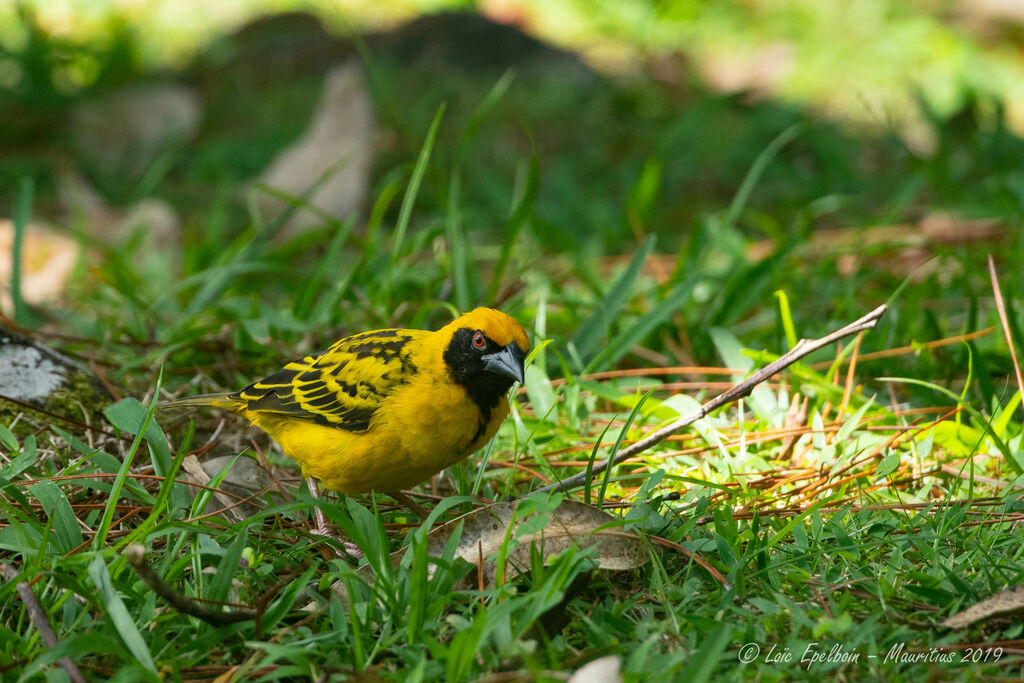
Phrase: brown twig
x=803 y=348
x=1001 y=308
x=697 y=559
x=851 y=369
x=136 y=556
x=910 y=348
x=37 y=615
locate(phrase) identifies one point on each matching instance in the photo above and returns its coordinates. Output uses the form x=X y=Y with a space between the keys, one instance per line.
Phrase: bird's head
x=485 y=353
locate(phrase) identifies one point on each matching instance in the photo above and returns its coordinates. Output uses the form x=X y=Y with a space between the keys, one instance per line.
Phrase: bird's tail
x=222 y=401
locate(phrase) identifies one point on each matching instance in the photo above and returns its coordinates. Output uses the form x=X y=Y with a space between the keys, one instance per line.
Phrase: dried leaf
x=570 y=524
x=796 y=417
x=1003 y=604
x=245 y=478
x=48 y=258
x=602 y=670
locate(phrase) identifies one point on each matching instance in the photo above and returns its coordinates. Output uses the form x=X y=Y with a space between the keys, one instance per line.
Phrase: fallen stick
x=136 y=556
x=37 y=615
x=803 y=348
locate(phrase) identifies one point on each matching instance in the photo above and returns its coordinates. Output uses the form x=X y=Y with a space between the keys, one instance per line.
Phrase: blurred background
x=189 y=177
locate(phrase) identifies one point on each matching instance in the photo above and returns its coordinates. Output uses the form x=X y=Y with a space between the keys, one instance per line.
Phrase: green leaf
x=118 y=614
x=730 y=349
x=786 y=315
x=127 y=417
x=645 y=324
x=959 y=439
x=541 y=393
x=539 y=502
x=618 y=444
x=405 y=212
x=1010 y=458
x=457 y=247
x=756 y=169
x=26 y=459
x=285 y=600
x=644 y=193
x=889 y=464
x=130 y=416
x=590 y=462
x=818 y=431
x=844 y=432
x=1002 y=421
x=725 y=551
x=703 y=662
x=314 y=284
x=8 y=440
x=464 y=645
x=78 y=646
x=61 y=514
x=228 y=567
x=521 y=211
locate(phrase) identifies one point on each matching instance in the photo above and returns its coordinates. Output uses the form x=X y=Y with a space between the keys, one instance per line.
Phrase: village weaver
x=387 y=409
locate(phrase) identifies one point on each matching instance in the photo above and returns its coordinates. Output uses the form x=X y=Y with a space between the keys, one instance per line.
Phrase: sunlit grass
x=827 y=507
x=814 y=524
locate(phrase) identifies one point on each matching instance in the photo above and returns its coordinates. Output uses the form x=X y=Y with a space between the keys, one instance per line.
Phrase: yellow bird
x=385 y=410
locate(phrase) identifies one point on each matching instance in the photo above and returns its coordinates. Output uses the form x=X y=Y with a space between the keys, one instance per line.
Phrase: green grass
x=861 y=536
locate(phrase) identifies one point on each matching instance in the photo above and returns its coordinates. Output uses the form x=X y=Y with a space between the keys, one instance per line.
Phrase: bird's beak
x=508 y=362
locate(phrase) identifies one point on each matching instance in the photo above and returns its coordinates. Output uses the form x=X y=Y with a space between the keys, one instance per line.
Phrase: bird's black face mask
x=485 y=369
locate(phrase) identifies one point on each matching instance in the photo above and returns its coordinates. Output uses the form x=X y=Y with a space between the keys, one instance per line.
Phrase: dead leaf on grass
x=245 y=478
x=485 y=530
x=571 y=524
x=602 y=670
x=1006 y=603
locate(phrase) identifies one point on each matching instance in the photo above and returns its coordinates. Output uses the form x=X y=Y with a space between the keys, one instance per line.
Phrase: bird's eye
x=478 y=340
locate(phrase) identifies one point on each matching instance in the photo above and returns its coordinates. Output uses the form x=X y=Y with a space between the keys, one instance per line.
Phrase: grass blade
x=405 y=212
x=644 y=325
x=594 y=328
x=618 y=444
x=119 y=615
x=61 y=515
x=520 y=213
x=756 y=169
x=457 y=247
x=115 y=494
x=22 y=214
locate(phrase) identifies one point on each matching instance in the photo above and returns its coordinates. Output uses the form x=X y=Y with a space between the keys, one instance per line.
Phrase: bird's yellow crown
x=500 y=328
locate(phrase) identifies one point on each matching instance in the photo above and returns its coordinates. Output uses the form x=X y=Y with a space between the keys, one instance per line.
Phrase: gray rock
x=33 y=373
x=27 y=373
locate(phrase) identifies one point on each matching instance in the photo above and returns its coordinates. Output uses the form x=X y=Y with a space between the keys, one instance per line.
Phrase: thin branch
x=37 y=615
x=803 y=348
x=695 y=557
x=136 y=556
x=1001 y=308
